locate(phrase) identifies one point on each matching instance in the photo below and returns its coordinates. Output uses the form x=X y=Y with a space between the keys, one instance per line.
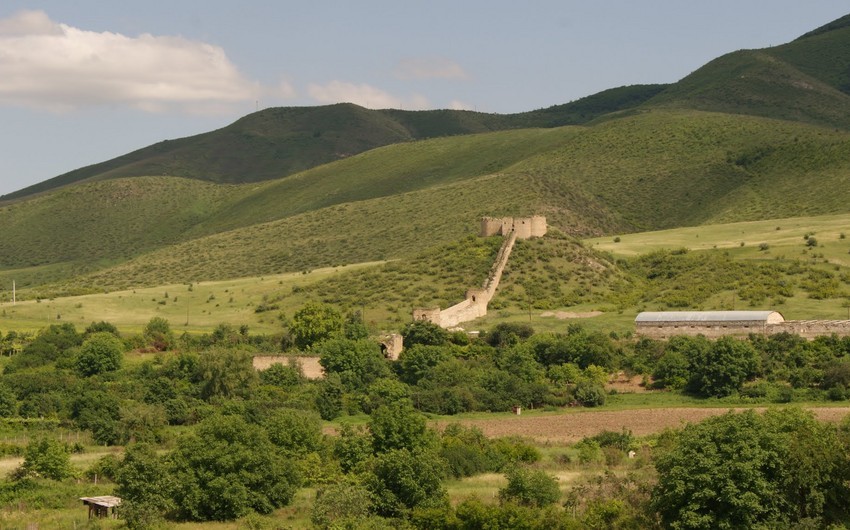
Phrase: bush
x=528 y=487
x=101 y=352
x=589 y=394
x=47 y=458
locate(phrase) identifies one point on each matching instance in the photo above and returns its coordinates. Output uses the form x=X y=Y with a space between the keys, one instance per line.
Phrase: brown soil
x=573 y=426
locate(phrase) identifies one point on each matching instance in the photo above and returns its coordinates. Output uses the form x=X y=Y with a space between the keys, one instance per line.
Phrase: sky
x=85 y=81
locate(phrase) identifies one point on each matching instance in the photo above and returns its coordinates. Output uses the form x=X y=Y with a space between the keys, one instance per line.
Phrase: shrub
x=528 y=487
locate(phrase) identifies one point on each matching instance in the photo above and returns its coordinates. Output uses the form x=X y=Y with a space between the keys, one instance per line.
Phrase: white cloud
x=46 y=64
x=365 y=96
x=429 y=68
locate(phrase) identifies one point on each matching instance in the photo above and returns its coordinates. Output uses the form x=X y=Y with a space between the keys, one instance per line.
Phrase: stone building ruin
x=475 y=303
x=523 y=227
x=715 y=324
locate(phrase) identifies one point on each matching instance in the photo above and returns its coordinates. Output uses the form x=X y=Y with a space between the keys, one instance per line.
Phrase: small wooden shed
x=101 y=507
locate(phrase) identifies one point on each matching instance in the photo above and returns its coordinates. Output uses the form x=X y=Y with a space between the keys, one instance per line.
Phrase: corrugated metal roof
x=706 y=316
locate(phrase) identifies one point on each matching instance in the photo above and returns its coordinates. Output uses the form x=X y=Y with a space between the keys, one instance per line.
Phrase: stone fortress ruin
x=475 y=303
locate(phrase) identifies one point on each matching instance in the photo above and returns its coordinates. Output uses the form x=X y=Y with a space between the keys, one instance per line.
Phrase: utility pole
x=13 y=293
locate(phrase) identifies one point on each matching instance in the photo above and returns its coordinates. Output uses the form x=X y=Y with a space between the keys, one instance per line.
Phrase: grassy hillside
x=277 y=142
x=805 y=80
x=664 y=169
x=649 y=170
x=105 y=221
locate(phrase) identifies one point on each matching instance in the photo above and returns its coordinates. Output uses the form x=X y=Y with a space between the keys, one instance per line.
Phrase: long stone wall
x=808 y=329
x=475 y=304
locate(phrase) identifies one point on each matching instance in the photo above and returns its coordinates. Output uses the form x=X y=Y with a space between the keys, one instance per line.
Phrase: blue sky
x=85 y=81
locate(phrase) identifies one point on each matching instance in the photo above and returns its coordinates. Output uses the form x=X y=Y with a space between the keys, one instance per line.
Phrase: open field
x=785 y=234
x=194 y=308
x=561 y=428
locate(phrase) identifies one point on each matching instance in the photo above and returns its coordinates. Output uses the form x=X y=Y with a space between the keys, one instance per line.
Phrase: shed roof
x=107 y=501
x=710 y=316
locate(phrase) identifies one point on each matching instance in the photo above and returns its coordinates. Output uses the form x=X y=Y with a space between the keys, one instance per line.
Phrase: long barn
x=712 y=324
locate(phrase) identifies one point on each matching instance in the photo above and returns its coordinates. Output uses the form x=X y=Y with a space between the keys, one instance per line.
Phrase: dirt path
x=572 y=427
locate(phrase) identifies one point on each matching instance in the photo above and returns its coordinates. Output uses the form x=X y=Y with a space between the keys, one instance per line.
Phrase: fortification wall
x=810 y=329
x=524 y=227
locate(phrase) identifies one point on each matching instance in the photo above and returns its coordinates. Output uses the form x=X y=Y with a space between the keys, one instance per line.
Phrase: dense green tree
x=8 y=401
x=384 y=391
x=101 y=327
x=144 y=485
x=225 y=372
x=398 y=426
x=345 y=504
x=101 y=352
x=416 y=361
x=722 y=369
x=314 y=323
x=46 y=457
x=294 y=431
x=745 y=470
x=357 y=362
x=508 y=334
x=352 y=447
x=530 y=487
x=228 y=467
x=329 y=397
x=158 y=334
x=285 y=376
x=403 y=479
x=425 y=333
x=98 y=411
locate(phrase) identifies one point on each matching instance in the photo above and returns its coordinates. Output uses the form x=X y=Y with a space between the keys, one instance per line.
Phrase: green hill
x=649 y=170
x=805 y=80
x=277 y=142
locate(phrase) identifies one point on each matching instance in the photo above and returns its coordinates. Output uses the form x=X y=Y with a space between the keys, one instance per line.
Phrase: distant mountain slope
x=805 y=80
x=277 y=142
x=654 y=169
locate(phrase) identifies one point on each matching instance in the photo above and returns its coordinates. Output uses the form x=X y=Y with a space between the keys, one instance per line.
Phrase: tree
x=403 y=479
x=357 y=362
x=144 y=485
x=158 y=334
x=529 y=487
x=101 y=327
x=225 y=372
x=722 y=369
x=416 y=361
x=227 y=468
x=294 y=431
x=341 y=505
x=314 y=323
x=425 y=333
x=398 y=426
x=101 y=352
x=47 y=458
x=745 y=470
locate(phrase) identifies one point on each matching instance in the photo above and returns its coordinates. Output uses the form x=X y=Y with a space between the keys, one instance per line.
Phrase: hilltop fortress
x=475 y=303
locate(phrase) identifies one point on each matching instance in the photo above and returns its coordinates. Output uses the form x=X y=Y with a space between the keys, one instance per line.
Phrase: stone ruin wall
x=524 y=227
x=476 y=301
x=808 y=329
x=811 y=329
